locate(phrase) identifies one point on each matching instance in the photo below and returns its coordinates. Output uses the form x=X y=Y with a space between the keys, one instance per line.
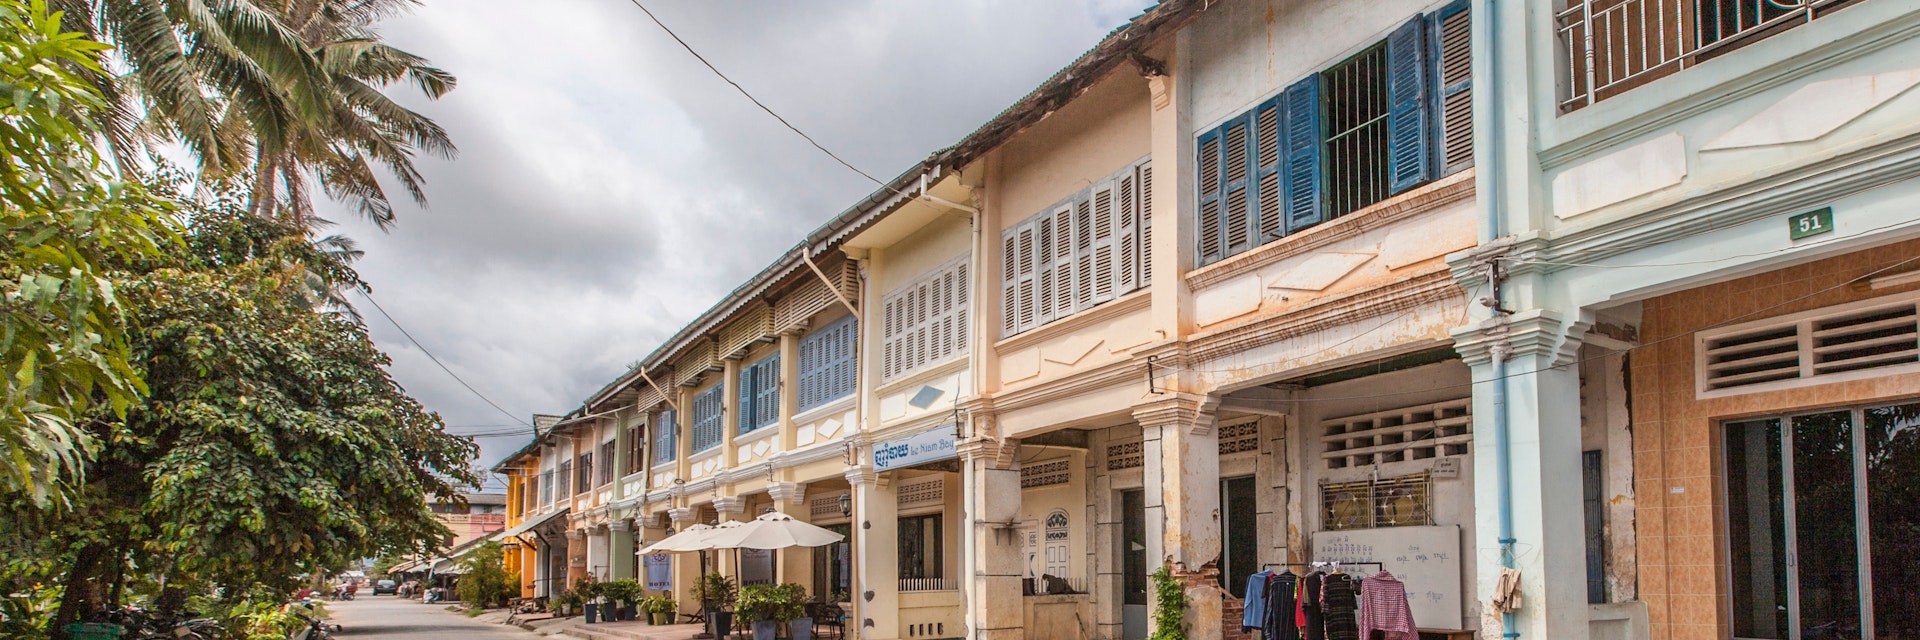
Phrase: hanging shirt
x=1383 y=607
x=1281 y=591
x=1315 y=628
x=1256 y=602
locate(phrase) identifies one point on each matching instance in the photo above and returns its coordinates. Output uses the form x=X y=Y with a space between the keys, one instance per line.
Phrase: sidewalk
x=577 y=627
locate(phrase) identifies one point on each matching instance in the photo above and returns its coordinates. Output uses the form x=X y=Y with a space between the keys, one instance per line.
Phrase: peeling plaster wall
x=1605 y=426
x=1451 y=501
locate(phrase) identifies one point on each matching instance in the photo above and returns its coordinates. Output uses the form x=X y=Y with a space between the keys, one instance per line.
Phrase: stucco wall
x=1100 y=132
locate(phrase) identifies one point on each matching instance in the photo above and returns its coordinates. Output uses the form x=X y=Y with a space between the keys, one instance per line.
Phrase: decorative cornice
x=730 y=504
x=1527 y=334
x=1052 y=390
x=681 y=515
x=789 y=491
x=620 y=525
x=1433 y=286
x=997 y=453
x=861 y=476
x=1430 y=197
x=1192 y=411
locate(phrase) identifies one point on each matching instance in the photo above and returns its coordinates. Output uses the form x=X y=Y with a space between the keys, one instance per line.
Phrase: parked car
x=385 y=586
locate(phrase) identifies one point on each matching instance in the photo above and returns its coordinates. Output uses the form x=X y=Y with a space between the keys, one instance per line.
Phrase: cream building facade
x=1439 y=288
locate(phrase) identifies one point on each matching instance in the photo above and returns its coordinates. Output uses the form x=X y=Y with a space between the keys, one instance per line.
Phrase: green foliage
x=487 y=583
x=625 y=592
x=566 y=600
x=717 y=589
x=780 y=603
x=589 y=590
x=272 y=442
x=63 y=218
x=1169 y=606
x=658 y=604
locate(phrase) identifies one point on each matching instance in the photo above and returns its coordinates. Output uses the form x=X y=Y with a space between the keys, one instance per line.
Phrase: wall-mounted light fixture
x=846 y=504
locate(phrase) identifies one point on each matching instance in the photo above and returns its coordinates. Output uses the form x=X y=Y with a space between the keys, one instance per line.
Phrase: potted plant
x=590 y=593
x=621 y=596
x=660 y=609
x=717 y=594
x=565 y=602
x=792 y=613
x=761 y=604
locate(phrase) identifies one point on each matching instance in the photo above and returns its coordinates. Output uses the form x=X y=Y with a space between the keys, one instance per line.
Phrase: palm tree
x=273 y=90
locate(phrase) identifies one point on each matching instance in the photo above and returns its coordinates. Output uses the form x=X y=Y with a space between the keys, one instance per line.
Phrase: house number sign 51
x=1811 y=223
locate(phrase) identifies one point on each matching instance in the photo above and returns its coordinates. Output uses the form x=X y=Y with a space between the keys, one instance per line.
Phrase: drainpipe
x=1491 y=230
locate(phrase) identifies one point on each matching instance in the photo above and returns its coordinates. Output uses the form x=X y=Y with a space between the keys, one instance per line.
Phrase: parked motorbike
x=143 y=624
x=312 y=626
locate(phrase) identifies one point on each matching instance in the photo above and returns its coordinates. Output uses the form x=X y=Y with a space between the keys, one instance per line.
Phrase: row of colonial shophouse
x=1618 y=293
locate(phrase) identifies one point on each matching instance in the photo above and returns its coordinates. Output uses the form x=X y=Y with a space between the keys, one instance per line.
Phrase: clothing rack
x=1325 y=564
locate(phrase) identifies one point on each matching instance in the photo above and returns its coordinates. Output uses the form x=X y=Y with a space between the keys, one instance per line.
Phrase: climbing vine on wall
x=1169 y=606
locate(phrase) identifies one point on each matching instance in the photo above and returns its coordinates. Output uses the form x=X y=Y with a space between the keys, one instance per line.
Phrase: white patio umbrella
x=692 y=538
x=773 y=531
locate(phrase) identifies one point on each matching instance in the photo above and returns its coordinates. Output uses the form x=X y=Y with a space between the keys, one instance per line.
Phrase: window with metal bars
x=1393 y=117
x=1086 y=250
x=707 y=407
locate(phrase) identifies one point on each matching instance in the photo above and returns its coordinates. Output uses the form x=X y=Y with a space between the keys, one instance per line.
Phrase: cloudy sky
x=609 y=188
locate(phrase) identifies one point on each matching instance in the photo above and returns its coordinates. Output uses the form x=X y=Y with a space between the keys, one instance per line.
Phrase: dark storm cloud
x=609 y=188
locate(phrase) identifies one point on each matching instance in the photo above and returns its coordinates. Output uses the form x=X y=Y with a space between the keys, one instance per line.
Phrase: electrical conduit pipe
x=1487 y=33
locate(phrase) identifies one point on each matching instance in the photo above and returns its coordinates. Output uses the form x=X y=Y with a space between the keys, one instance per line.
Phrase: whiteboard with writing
x=1427 y=559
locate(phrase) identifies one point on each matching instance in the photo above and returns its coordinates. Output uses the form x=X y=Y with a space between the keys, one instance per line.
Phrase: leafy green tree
x=487 y=583
x=272 y=443
x=63 y=217
x=278 y=90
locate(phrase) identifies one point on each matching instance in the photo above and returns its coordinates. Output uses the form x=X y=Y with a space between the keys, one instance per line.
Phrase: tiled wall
x=1681 y=547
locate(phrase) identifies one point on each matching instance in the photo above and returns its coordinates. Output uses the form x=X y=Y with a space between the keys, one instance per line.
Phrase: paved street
x=388 y=617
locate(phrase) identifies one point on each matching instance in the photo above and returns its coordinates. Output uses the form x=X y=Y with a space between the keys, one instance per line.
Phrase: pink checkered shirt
x=1383 y=607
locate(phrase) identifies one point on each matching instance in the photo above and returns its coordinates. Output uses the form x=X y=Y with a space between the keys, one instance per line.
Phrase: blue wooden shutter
x=1207 y=164
x=1300 y=152
x=834 y=366
x=746 y=388
x=665 y=436
x=766 y=392
x=1409 y=161
x=1236 y=214
x=1270 y=220
x=1451 y=32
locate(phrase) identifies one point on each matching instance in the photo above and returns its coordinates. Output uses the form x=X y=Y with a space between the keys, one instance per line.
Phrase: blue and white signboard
x=926 y=446
x=659 y=572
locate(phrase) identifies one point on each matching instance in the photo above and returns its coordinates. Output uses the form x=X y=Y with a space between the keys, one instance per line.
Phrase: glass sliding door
x=1823 y=524
x=1893 y=517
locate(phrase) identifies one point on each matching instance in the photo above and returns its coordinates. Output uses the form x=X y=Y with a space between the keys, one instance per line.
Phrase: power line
x=756 y=101
x=436 y=359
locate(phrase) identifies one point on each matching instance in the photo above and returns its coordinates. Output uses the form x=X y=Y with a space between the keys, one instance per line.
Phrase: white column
x=994 y=560
x=1182 y=476
x=1542 y=406
x=876 y=524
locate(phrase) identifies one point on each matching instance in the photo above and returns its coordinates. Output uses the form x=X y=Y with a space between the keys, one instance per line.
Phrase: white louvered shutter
x=1063 y=264
x=1082 y=252
x=1047 y=288
x=1026 y=254
x=1010 y=281
x=1102 y=248
x=1126 y=232
x=1146 y=224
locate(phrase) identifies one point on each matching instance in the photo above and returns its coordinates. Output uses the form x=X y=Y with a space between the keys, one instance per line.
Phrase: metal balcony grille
x=1356 y=120
x=1403 y=501
x=1615 y=45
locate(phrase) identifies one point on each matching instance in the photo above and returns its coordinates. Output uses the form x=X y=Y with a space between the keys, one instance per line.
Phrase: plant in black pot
x=622 y=596
x=716 y=594
x=591 y=594
x=761 y=604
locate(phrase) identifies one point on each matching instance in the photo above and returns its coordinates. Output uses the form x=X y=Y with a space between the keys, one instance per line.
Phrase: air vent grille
x=1866 y=336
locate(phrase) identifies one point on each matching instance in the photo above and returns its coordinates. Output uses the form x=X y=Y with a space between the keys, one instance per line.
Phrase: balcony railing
x=927 y=584
x=1615 y=45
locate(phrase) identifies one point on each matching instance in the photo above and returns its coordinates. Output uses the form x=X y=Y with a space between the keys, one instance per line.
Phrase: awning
x=529 y=525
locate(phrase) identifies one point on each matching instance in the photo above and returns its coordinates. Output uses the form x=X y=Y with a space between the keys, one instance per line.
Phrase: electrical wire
x=756 y=101
x=1609 y=354
x=436 y=359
